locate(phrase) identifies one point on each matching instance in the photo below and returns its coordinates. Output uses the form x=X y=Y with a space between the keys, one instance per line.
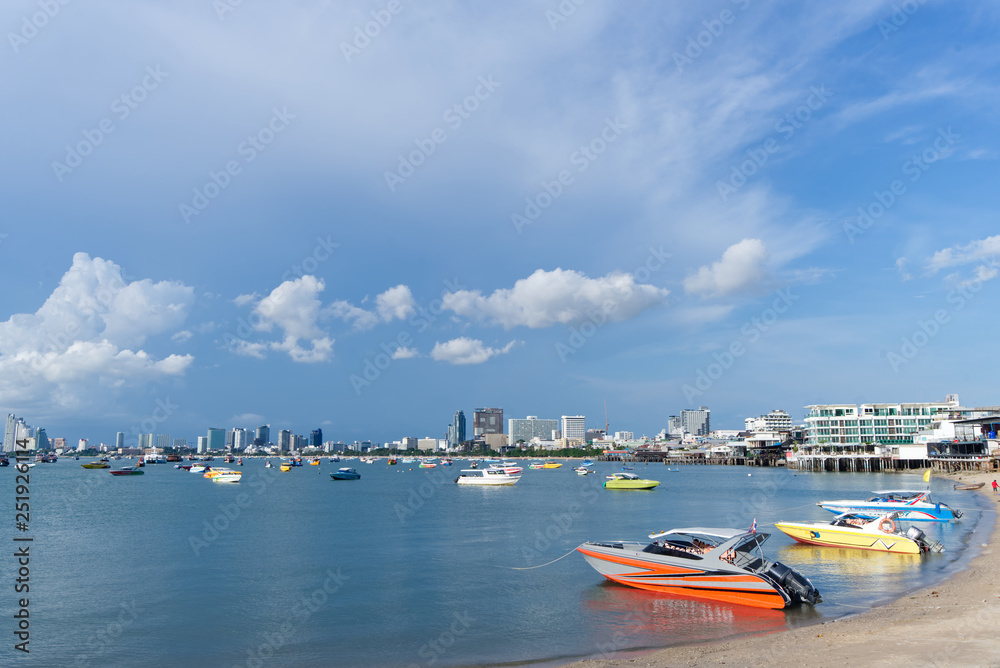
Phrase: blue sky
x=366 y=216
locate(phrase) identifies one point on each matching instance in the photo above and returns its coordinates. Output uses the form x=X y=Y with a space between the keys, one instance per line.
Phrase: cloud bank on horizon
x=255 y=206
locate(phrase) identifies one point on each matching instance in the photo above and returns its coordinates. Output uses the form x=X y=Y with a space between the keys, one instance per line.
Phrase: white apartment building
x=857 y=424
x=574 y=427
x=776 y=420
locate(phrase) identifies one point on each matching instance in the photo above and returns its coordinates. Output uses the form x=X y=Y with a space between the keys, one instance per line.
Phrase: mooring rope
x=528 y=568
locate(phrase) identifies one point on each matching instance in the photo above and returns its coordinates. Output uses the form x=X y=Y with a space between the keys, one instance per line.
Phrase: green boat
x=628 y=481
x=96 y=465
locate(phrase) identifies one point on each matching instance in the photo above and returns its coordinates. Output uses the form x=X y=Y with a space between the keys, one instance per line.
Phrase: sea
x=404 y=568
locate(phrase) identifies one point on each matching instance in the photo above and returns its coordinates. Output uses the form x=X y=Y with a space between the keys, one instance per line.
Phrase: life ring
x=886 y=522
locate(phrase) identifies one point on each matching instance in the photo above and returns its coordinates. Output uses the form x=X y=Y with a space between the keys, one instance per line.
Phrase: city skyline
x=646 y=207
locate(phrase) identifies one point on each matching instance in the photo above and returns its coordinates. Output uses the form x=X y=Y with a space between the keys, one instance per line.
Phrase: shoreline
x=950 y=623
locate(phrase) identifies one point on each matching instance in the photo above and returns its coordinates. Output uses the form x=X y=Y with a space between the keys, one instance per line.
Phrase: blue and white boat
x=346 y=474
x=912 y=506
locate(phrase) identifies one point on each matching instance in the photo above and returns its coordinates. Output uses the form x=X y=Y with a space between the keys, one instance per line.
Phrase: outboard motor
x=920 y=538
x=913 y=533
x=796 y=585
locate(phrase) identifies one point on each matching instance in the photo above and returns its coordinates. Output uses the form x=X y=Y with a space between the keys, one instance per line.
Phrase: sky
x=366 y=216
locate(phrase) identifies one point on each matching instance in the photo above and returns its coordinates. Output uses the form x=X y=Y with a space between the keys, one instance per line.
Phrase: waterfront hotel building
x=846 y=425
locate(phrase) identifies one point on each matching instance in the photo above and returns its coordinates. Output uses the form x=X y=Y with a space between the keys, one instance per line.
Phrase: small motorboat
x=186 y=467
x=628 y=481
x=127 y=470
x=551 y=465
x=103 y=464
x=969 y=486
x=267 y=463
x=582 y=470
x=198 y=468
x=717 y=564
x=864 y=533
x=227 y=476
x=912 y=506
x=490 y=476
x=427 y=465
x=314 y=462
x=285 y=466
x=345 y=474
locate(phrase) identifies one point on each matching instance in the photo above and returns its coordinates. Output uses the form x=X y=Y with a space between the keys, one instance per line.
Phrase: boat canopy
x=724 y=534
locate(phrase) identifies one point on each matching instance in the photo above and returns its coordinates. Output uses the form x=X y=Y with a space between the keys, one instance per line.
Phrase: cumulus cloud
x=404 y=353
x=294 y=308
x=394 y=304
x=464 y=350
x=978 y=251
x=559 y=296
x=85 y=334
x=741 y=269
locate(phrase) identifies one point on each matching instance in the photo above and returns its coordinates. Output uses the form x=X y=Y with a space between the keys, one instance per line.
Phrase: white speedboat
x=718 y=564
x=912 y=506
x=486 y=477
x=582 y=470
x=227 y=476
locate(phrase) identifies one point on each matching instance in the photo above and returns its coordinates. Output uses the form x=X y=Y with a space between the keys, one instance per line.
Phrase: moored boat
x=227 y=476
x=345 y=474
x=488 y=476
x=285 y=466
x=625 y=480
x=551 y=465
x=718 y=564
x=127 y=470
x=969 y=486
x=582 y=470
x=103 y=464
x=863 y=533
x=912 y=506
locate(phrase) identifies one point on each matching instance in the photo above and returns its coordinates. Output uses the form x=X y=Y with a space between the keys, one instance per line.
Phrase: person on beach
x=994 y=486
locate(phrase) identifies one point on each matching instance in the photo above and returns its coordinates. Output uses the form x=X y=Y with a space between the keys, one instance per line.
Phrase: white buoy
x=749 y=474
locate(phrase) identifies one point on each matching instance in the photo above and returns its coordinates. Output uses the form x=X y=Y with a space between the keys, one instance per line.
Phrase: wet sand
x=954 y=623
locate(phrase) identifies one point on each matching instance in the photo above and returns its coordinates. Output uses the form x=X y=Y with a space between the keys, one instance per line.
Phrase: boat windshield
x=748 y=553
x=686 y=547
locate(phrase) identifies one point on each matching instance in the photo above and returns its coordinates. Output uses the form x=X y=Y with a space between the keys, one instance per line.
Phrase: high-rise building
x=776 y=420
x=42 y=439
x=487 y=421
x=120 y=440
x=696 y=422
x=162 y=441
x=316 y=438
x=574 y=427
x=216 y=438
x=674 y=427
x=202 y=444
x=456 y=430
x=284 y=440
x=262 y=435
x=16 y=430
x=530 y=428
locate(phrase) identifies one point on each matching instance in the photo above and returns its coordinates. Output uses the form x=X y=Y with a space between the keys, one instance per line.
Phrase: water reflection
x=622 y=618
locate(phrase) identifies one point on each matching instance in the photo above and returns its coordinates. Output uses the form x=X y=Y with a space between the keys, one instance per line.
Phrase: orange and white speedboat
x=718 y=564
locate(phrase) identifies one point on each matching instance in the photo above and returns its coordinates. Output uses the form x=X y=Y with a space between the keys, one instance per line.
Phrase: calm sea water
x=405 y=568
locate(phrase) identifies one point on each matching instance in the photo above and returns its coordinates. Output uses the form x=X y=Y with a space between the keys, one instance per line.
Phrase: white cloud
x=464 y=350
x=182 y=336
x=977 y=251
x=404 y=353
x=741 y=269
x=559 y=296
x=294 y=308
x=82 y=338
x=393 y=304
x=246 y=418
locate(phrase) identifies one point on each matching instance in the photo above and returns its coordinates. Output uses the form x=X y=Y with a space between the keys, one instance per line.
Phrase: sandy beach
x=951 y=624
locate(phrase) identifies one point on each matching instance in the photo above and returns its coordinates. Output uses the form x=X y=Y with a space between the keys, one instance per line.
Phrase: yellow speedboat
x=551 y=465
x=628 y=481
x=863 y=533
x=286 y=466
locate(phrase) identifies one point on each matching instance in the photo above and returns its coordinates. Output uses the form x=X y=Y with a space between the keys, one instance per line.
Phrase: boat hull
x=635 y=569
x=911 y=513
x=824 y=534
x=631 y=484
x=488 y=482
